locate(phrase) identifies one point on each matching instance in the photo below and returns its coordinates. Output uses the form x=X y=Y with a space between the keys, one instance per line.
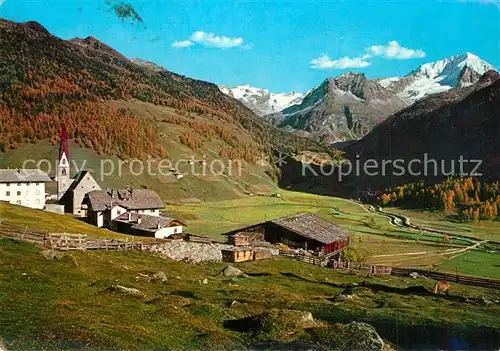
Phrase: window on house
x=63 y=172
x=37 y=192
x=18 y=193
x=37 y=201
x=8 y=184
x=19 y=184
x=37 y=184
x=7 y=193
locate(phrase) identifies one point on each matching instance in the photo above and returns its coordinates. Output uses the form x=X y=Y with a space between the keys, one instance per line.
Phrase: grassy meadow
x=65 y=304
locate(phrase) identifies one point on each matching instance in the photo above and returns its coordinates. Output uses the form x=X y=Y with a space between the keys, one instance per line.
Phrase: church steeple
x=63 y=169
x=63 y=146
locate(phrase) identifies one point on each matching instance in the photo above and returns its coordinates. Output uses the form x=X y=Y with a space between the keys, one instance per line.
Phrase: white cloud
x=324 y=62
x=212 y=40
x=181 y=44
x=395 y=51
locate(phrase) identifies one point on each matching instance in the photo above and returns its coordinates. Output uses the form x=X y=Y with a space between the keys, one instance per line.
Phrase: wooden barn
x=303 y=230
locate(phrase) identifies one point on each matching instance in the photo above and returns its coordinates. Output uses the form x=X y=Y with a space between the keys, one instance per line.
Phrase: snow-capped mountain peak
x=449 y=69
x=438 y=76
x=262 y=101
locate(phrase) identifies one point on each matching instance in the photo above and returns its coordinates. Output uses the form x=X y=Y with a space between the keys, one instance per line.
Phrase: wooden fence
x=24 y=233
x=450 y=277
x=65 y=241
x=304 y=258
x=405 y=272
x=362 y=268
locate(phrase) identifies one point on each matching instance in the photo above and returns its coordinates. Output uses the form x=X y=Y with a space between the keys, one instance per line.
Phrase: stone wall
x=180 y=250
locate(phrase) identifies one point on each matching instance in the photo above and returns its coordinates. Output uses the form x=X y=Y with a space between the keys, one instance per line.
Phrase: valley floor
x=375 y=235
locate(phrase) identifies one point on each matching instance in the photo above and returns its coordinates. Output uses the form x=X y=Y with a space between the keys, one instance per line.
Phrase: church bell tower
x=63 y=170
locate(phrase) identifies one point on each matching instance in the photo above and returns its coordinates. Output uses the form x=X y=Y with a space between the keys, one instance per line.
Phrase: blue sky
x=282 y=46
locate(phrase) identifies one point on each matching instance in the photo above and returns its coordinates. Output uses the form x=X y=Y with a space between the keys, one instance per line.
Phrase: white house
x=25 y=187
x=147 y=225
x=103 y=206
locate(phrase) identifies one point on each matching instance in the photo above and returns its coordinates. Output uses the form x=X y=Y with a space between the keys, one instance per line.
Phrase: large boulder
x=360 y=336
x=231 y=271
x=300 y=328
x=351 y=336
x=280 y=325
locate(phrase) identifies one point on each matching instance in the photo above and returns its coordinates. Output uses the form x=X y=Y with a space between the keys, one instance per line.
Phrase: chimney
x=139 y=220
x=159 y=225
x=129 y=216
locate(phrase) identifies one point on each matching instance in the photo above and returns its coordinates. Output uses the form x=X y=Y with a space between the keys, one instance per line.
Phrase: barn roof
x=131 y=199
x=313 y=227
x=23 y=176
x=148 y=223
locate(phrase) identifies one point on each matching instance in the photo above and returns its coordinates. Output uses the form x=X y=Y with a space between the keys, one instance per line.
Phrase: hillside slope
x=69 y=303
x=115 y=107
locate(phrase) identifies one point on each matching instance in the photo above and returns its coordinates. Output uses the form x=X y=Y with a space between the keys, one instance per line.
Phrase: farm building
x=303 y=230
x=103 y=206
x=146 y=225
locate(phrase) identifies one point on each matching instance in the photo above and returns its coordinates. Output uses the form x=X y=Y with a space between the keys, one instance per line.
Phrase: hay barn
x=303 y=230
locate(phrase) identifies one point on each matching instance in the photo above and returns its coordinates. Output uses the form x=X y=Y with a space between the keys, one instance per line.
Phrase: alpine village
x=141 y=209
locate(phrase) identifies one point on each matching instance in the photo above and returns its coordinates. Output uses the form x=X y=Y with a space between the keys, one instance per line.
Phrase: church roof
x=23 y=176
x=131 y=199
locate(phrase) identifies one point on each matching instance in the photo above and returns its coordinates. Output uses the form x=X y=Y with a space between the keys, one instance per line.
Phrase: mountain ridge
x=346 y=107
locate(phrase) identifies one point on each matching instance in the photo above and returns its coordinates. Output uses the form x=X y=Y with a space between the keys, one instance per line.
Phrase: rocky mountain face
x=261 y=101
x=340 y=109
x=459 y=123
